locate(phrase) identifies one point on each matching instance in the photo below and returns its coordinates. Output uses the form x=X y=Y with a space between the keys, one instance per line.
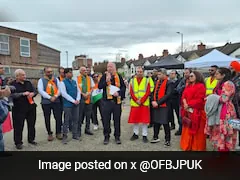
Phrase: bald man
x=112 y=103
x=24 y=108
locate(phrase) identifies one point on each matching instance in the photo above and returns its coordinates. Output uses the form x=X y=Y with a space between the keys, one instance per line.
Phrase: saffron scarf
x=51 y=88
x=88 y=84
x=161 y=91
x=117 y=84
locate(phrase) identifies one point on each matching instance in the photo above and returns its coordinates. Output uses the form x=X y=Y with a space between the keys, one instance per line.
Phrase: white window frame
x=7 y=53
x=23 y=54
x=9 y=70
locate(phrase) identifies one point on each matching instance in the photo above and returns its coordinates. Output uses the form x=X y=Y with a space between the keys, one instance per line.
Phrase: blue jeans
x=1 y=140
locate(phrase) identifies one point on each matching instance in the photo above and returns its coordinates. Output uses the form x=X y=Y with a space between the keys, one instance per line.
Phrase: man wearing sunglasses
x=211 y=81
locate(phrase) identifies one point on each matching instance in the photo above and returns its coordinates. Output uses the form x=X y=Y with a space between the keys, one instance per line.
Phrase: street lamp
x=67 y=58
x=181 y=40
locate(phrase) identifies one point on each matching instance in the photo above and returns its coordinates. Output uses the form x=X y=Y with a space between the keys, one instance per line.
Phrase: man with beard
x=48 y=87
x=235 y=69
x=211 y=81
x=140 y=90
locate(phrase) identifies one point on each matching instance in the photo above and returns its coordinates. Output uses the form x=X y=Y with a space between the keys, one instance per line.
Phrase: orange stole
x=117 y=84
x=161 y=91
x=79 y=79
x=51 y=88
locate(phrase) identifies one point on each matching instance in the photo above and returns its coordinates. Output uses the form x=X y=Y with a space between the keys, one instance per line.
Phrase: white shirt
x=66 y=95
x=42 y=91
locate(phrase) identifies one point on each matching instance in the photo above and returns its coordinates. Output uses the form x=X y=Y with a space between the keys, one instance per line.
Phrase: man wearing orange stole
x=140 y=89
x=48 y=87
x=112 y=101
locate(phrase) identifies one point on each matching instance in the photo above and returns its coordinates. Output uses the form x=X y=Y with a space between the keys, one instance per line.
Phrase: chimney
x=165 y=52
x=123 y=60
x=201 y=47
x=140 y=56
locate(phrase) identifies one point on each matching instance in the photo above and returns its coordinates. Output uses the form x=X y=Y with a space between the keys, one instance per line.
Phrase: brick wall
x=48 y=56
x=14 y=46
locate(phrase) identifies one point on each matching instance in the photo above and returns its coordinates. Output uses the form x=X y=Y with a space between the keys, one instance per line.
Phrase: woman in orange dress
x=193 y=137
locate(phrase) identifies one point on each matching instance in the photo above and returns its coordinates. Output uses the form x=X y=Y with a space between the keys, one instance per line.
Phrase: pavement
x=95 y=142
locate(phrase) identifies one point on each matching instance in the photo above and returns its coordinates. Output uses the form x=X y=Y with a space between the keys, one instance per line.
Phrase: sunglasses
x=95 y=76
x=211 y=70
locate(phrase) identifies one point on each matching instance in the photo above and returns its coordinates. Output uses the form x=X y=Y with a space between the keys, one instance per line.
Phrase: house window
x=25 y=47
x=7 y=70
x=4 y=44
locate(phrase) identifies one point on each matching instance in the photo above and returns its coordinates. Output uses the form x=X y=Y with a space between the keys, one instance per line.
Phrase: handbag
x=235 y=123
x=186 y=121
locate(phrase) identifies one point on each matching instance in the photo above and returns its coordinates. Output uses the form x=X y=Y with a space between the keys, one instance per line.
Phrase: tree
x=187 y=47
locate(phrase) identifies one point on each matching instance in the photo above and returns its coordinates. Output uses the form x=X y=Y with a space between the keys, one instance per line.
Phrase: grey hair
x=18 y=71
x=82 y=68
x=163 y=70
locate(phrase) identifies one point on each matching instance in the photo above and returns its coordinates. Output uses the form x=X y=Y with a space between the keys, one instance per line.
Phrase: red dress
x=140 y=114
x=194 y=139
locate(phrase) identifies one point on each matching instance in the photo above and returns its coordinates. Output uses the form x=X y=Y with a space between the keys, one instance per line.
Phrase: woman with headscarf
x=193 y=114
x=222 y=135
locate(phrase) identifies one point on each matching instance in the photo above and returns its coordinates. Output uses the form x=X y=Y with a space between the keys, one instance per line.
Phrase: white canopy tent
x=215 y=57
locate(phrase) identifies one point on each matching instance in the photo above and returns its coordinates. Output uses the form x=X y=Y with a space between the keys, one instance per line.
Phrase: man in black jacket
x=24 y=108
x=112 y=101
x=174 y=100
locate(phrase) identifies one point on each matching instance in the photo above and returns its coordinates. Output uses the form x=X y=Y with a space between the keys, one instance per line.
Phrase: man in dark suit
x=112 y=102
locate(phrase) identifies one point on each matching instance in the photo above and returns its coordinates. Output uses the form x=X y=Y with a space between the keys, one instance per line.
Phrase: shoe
x=134 y=137
x=117 y=140
x=178 y=133
x=172 y=127
x=155 y=140
x=150 y=126
x=50 y=137
x=145 y=139
x=19 y=146
x=95 y=127
x=32 y=143
x=167 y=143
x=88 y=132
x=64 y=140
x=59 y=136
x=106 y=140
x=76 y=138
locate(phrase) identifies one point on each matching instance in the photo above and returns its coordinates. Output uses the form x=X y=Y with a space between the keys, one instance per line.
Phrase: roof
x=168 y=62
x=227 y=49
x=17 y=30
x=48 y=47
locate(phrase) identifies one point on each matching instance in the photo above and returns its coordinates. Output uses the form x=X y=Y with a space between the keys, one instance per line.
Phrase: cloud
x=101 y=40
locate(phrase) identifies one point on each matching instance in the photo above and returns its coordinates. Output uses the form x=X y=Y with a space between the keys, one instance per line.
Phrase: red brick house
x=20 y=49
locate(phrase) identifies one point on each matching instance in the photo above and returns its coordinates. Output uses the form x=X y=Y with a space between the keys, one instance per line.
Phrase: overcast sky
x=101 y=29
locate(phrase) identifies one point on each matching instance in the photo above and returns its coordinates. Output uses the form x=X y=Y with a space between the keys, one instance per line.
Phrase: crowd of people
x=203 y=106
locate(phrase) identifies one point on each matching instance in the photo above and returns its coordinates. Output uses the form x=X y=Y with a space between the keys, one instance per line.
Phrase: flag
x=97 y=95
